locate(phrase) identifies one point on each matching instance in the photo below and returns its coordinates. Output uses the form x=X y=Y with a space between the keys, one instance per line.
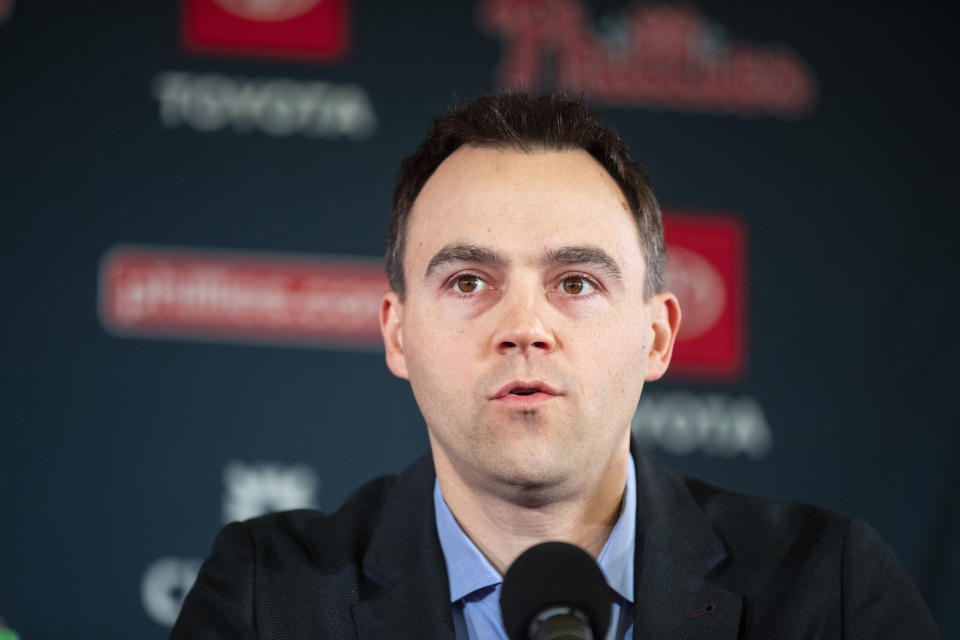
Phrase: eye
x=576 y=286
x=467 y=284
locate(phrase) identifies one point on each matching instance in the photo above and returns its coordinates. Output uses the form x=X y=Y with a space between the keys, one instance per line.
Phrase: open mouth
x=526 y=391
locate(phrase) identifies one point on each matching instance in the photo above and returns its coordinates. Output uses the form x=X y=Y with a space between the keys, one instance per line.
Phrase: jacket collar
x=405 y=560
x=676 y=549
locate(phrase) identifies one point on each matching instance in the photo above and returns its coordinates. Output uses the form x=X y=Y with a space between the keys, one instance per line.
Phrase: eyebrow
x=466 y=252
x=463 y=253
x=583 y=255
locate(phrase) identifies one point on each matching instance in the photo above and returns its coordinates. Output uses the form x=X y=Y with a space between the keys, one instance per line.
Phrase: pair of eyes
x=575 y=285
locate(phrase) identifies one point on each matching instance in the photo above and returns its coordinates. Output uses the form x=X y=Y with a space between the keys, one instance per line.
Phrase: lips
x=524 y=388
x=525 y=394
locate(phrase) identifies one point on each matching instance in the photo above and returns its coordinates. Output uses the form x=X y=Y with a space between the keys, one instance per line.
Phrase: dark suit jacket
x=709 y=564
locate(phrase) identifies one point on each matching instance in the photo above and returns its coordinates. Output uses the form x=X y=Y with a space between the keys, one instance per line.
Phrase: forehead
x=523 y=203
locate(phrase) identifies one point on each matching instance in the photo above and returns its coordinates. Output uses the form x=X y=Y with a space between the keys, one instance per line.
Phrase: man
x=526 y=263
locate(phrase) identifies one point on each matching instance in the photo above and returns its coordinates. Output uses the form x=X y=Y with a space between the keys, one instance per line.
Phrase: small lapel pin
x=702 y=611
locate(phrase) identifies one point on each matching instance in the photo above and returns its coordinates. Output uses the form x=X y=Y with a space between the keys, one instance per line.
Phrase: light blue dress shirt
x=475 y=584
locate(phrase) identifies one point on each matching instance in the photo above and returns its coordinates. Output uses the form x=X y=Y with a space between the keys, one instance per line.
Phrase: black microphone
x=555 y=591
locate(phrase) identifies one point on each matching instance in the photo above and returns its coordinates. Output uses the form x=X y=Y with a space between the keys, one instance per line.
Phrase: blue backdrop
x=193 y=128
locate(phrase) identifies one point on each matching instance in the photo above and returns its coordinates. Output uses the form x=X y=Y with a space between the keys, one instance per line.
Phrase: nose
x=522 y=327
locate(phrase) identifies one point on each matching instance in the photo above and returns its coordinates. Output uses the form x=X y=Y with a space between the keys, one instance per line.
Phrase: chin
x=531 y=479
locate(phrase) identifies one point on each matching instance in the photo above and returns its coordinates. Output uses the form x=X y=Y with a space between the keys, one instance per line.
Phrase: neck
x=504 y=524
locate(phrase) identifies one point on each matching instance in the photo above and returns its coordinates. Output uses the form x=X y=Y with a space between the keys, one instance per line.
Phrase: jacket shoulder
x=795 y=557
x=768 y=526
x=283 y=573
x=322 y=540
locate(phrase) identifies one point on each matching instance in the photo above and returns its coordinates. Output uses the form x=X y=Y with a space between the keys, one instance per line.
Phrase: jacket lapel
x=411 y=599
x=677 y=604
x=676 y=548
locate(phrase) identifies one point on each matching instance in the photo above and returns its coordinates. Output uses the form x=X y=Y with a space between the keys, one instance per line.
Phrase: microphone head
x=554 y=574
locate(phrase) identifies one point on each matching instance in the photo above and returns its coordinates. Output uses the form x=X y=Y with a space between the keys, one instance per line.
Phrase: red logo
x=303 y=30
x=705 y=269
x=655 y=55
x=236 y=296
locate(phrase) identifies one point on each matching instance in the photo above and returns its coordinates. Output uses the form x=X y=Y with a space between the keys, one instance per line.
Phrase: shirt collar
x=616 y=557
x=469 y=570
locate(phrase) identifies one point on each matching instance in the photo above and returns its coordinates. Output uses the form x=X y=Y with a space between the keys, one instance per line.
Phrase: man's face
x=524 y=332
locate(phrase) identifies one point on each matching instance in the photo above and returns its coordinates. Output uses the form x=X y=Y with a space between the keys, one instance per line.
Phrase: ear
x=391 y=326
x=664 y=313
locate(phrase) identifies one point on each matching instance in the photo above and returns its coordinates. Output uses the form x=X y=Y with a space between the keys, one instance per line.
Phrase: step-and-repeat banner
x=194 y=201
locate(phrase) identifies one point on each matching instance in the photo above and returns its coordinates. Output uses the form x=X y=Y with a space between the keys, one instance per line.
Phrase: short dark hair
x=527 y=123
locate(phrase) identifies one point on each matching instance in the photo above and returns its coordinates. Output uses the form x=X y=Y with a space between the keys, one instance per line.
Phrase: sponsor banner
x=242 y=296
x=280 y=107
x=301 y=30
x=710 y=424
x=651 y=55
x=253 y=489
x=706 y=256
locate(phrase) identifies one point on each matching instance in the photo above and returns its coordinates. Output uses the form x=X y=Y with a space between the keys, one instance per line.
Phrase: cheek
x=624 y=371
x=438 y=357
x=618 y=359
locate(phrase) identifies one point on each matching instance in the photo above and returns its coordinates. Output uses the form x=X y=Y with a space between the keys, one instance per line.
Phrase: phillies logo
x=248 y=297
x=655 y=56
x=705 y=269
x=303 y=30
x=698 y=283
x=268 y=10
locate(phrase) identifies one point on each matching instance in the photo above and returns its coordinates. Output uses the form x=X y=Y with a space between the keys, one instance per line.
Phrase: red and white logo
x=705 y=269
x=267 y=10
x=303 y=30
x=654 y=55
x=240 y=296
